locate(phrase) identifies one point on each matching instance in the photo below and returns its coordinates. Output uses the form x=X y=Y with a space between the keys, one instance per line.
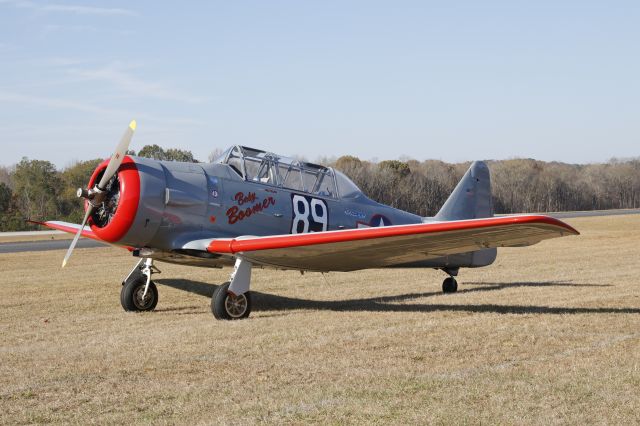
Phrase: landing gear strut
x=450 y=285
x=232 y=300
x=138 y=292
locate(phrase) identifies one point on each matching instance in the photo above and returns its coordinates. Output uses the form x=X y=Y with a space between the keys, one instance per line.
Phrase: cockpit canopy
x=271 y=169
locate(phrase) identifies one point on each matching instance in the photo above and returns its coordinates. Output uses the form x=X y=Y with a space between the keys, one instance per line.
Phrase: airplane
x=251 y=208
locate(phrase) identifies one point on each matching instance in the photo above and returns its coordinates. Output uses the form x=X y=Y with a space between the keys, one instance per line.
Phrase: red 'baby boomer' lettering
x=235 y=214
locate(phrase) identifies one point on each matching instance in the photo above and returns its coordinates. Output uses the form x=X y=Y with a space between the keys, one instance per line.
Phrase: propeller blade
x=118 y=155
x=112 y=168
x=77 y=237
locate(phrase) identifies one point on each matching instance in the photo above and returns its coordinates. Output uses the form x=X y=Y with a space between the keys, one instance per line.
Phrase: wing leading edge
x=72 y=228
x=354 y=249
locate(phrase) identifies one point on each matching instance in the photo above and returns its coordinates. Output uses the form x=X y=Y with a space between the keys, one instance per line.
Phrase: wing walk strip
x=542 y=225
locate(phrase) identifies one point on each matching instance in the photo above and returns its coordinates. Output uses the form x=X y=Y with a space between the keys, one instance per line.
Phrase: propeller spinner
x=97 y=194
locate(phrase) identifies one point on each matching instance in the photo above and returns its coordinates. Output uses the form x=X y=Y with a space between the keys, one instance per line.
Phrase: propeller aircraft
x=251 y=208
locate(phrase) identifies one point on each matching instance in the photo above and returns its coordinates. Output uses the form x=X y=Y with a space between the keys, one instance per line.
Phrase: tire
x=449 y=285
x=225 y=306
x=131 y=295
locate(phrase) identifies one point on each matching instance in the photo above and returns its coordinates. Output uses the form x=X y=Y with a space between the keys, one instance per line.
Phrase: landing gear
x=138 y=292
x=133 y=297
x=227 y=306
x=232 y=300
x=449 y=285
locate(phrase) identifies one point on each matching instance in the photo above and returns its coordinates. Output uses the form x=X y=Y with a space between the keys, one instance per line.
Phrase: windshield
x=346 y=187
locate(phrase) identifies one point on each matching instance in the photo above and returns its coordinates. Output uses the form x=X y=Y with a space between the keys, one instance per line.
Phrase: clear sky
x=552 y=80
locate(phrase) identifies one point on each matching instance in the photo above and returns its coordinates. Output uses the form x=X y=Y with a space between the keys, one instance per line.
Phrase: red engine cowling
x=112 y=219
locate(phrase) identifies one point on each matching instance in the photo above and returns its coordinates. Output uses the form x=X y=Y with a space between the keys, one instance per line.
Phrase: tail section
x=471 y=199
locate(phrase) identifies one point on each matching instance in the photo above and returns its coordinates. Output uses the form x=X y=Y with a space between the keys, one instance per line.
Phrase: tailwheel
x=449 y=285
x=227 y=306
x=133 y=297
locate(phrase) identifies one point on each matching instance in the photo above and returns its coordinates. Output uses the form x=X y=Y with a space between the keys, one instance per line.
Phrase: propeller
x=97 y=194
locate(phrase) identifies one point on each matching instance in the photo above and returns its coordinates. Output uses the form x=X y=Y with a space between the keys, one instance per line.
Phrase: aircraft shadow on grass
x=271 y=302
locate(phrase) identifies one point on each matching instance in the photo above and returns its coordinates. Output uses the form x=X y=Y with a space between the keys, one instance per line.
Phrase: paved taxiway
x=45 y=245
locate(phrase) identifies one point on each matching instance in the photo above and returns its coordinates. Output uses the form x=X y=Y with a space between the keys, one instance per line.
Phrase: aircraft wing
x=353 y=249
x=71 y=228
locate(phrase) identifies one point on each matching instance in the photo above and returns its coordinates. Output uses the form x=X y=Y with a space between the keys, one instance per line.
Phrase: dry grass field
x=548 y=334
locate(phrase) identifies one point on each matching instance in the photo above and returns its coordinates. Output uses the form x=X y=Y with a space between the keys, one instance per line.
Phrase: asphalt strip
x=46 y=245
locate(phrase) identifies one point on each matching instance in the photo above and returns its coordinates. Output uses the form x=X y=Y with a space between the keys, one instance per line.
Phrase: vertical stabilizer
x=471 y=198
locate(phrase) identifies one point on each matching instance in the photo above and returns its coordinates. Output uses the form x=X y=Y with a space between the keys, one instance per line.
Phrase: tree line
x=37 y=190
x=518 y=185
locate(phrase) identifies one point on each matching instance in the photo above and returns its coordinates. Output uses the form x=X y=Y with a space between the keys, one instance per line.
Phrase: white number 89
x=301 y=210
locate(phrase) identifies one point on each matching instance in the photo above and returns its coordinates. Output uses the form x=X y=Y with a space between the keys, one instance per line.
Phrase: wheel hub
x=235 y=305
x=140 y=300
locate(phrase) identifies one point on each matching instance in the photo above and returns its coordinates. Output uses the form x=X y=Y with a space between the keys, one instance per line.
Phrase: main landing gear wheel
x=226 y=306
x=449 y=285
x=132 y=295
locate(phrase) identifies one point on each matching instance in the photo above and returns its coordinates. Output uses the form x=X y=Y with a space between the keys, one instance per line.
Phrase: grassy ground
x=548 y=334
